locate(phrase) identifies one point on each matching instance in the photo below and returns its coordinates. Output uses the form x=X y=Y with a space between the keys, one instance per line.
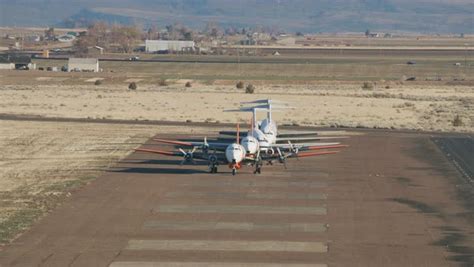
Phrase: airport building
x=83 y=64
x=154 y=46
x=19 y=62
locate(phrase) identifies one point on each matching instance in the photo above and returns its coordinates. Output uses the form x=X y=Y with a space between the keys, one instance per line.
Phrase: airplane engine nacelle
x=213 y=159
x=270 y=151
x=250 y=144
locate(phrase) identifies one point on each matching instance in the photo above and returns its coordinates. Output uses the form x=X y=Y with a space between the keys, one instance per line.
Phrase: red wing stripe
x=172 y=142
x=303 y=155
x=326 y=147
x=167 y=153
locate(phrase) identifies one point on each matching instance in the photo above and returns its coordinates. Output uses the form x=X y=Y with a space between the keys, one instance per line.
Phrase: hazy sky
x=306 y=15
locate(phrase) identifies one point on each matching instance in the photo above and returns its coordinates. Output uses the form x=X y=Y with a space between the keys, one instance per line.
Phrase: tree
x=49 y=34
x=125 y=36
x=367 y=33
x=153 y=33
x=212 y=29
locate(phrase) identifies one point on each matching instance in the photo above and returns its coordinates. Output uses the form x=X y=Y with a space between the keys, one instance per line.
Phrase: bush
x=162 y=82
x=367 y=86
x=188 y=84
x=98 y=82
x=250 y=89
x=457 y=121
x=240 y=85
x=132 y=86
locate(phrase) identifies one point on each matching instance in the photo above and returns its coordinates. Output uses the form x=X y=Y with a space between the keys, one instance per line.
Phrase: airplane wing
x=312 y=154
x=197 y=156
x=315 y=138
x=308 y=146
x=233 y=133
x=296 y=134
x=211 y=145
x=301 y=145
x=161 y=152
x=287 y=134
x=298 y=155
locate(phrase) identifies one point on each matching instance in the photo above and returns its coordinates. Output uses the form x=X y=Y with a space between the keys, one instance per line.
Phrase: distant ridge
x=424 y=16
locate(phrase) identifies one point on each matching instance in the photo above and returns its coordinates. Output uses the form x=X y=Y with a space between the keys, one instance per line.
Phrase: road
x=387 y=200
x=460 y=150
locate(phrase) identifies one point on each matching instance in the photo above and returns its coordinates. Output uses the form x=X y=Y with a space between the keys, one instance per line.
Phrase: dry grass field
x=383 y=104
x=323 y=65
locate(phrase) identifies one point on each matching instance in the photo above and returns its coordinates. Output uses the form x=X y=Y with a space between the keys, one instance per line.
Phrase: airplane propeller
x=281 y=157
x=188 y=156
x=294 y=150
x=205 y=146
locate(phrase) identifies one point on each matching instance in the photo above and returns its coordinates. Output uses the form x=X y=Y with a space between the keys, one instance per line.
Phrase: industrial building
x=19 y=62
x=83 y=64
x=163 y=46
x=6 y=65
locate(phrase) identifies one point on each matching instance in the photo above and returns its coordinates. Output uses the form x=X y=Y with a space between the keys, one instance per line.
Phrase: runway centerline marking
x=208 y=264
x=215 y=245
x=240 y=183
x=263 y=195
x=320 y=210
x=236 y=226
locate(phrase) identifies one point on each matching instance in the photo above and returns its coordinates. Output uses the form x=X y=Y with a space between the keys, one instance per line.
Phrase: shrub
x=132 y=86
x=188 y=84
x=162 y=82
x=98 y=82
x=367 y=86
x=250 y=89
x=240 y=85
x=457 y=121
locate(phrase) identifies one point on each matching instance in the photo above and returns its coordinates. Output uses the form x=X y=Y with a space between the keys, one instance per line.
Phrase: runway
x=387 y=200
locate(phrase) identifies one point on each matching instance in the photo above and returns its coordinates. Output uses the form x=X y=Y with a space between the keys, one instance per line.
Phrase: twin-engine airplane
x=258 y=145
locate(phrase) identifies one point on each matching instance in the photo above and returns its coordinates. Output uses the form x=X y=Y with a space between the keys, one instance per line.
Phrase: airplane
x=264 y=134
x=267 y=129
x=261 y=143
x=234 y=154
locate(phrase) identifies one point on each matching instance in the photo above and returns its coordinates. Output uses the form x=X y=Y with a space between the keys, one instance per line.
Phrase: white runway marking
x=265 y=195
x=240 y=183
x=207 y=264
x=242 y=209
x=215 y=245
x=236 y=226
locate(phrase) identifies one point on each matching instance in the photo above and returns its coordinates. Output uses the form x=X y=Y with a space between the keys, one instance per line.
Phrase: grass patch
x=36 y=205
x=18 y=222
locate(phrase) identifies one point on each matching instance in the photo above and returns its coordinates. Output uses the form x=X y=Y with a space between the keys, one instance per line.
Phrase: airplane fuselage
x=235 y=154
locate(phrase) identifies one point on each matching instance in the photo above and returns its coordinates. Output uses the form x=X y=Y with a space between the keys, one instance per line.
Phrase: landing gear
x=212 y=168
x=234 y=171
x=258 y=168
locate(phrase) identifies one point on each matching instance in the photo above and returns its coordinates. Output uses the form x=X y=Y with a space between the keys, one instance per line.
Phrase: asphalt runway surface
x=390 y=199
x=461 y=151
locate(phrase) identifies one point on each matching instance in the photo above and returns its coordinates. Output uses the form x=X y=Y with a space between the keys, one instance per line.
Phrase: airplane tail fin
x=238 y=134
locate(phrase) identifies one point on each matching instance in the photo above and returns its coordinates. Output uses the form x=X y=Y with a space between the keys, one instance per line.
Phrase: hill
x=430 y=16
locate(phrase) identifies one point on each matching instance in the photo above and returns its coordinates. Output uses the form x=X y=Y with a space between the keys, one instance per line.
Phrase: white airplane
x=263 y=135
x=258 y=145
x=234 y=154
